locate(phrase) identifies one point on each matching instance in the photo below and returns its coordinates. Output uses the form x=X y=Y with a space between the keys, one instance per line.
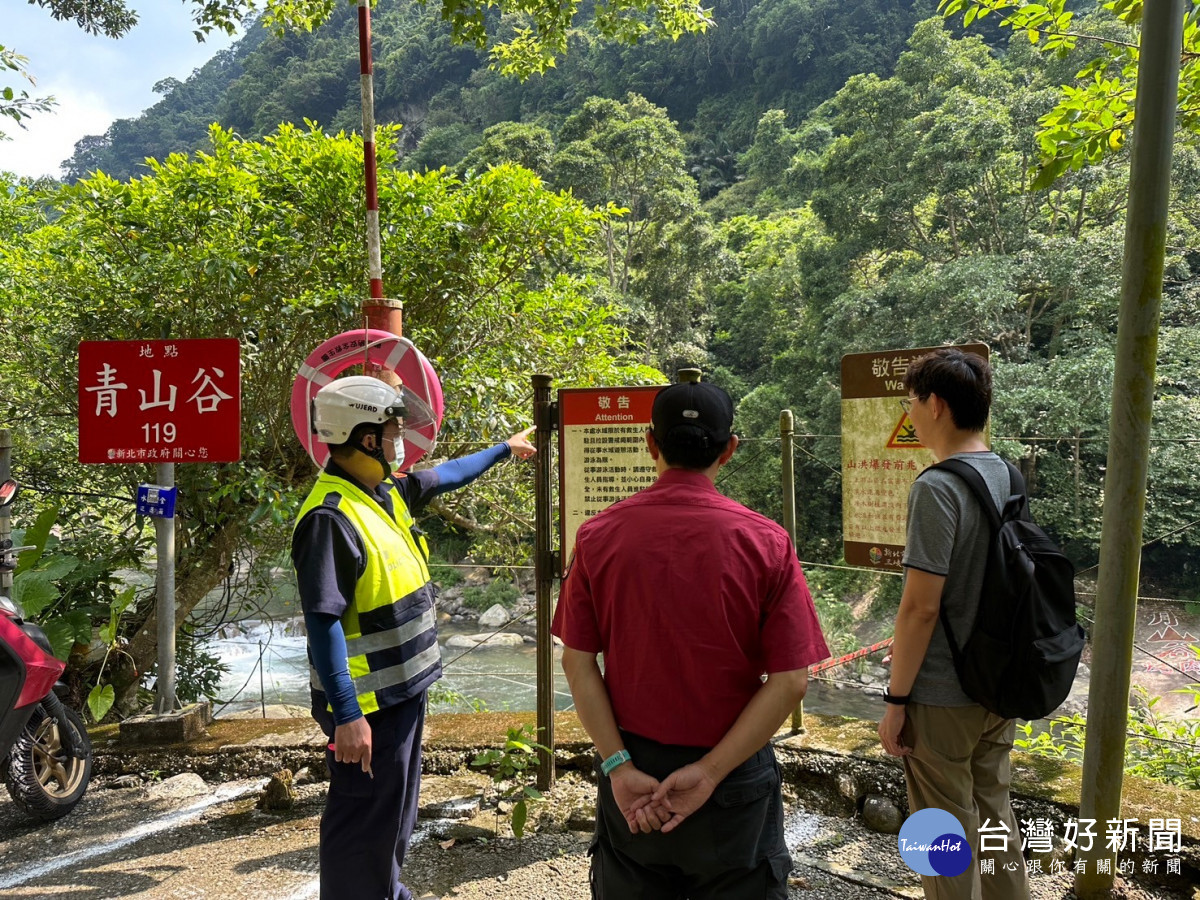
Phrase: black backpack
x=1020 y=658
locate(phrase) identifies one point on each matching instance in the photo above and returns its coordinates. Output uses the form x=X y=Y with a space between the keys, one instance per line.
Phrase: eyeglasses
x=906 y=404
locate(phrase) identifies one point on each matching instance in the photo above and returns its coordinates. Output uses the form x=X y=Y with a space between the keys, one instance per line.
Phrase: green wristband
x=621 y=756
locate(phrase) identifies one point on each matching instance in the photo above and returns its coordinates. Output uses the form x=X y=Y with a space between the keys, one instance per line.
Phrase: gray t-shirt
x=948 y=535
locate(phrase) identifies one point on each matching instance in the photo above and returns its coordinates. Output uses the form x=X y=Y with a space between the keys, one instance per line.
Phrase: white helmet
x=345 y=403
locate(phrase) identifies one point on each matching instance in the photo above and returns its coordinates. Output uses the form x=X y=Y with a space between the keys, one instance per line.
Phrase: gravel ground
x=835 y=859
x=183 y=839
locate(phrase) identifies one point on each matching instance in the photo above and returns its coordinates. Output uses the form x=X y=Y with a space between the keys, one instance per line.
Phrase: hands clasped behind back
x=650 y=805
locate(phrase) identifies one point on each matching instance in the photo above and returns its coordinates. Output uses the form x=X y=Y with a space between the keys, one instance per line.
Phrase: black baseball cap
x=697 y=405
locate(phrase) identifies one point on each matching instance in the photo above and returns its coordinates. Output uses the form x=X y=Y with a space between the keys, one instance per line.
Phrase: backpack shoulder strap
x=978 y=486
x=983 y=495
x=1015 y=479
x=1017 y=506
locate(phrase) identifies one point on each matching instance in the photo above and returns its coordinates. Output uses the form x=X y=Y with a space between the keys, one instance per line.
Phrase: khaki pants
x=960 y=763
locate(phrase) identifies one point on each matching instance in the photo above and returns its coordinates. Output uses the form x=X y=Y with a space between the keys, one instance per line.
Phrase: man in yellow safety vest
x=361 y=567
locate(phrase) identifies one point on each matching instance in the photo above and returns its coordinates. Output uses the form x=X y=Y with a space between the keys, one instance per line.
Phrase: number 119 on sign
x=159 y=433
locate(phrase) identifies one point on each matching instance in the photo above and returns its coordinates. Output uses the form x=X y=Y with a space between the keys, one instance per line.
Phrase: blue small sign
x=156 y=501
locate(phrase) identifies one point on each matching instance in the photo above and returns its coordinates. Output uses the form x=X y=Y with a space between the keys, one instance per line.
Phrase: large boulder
x=495 y=617
x=881 y=814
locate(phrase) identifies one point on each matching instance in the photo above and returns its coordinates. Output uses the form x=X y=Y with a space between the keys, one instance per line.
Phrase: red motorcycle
x=45 y=753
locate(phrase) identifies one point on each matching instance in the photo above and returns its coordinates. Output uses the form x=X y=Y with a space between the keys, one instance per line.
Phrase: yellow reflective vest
x=391 y=637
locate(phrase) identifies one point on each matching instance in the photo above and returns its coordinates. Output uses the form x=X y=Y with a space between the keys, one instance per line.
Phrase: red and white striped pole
x=378 y=312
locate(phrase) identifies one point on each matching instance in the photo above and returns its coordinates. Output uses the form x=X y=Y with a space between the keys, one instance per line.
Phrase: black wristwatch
x=897 y=701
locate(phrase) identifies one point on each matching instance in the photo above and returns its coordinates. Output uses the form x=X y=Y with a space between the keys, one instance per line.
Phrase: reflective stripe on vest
x=391 y=637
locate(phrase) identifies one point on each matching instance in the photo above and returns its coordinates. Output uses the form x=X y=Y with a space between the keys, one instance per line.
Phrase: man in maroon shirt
x=691 y=598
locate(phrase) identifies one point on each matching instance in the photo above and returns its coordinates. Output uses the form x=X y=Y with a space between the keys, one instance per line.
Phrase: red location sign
x=160 y=401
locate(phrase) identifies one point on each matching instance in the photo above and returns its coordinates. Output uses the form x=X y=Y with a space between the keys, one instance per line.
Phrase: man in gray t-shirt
x=945 y=524
x=955 y=753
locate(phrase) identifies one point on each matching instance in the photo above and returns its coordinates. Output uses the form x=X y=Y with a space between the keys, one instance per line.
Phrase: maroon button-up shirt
x=690 y=597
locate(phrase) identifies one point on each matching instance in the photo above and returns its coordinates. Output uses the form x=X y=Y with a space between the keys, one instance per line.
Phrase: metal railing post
x=6 y=580
x=787 y=474
x=544 y=578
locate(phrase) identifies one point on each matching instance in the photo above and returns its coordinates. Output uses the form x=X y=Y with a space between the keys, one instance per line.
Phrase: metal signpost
x=5 y=512
x=881 y=455
x=160 y=402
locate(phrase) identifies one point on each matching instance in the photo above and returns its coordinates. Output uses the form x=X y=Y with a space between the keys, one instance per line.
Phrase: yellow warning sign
x=904 y=435
x=880 y=455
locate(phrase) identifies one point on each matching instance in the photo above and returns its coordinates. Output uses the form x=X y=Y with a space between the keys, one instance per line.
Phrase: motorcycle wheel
x=42 y=780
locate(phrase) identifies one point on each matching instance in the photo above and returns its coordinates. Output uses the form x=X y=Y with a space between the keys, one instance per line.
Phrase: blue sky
x=95 y=79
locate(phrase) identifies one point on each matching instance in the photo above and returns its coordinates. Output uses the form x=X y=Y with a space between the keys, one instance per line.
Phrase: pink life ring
x=383 y=349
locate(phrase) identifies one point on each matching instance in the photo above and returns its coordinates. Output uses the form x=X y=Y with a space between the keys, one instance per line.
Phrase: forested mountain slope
x=763 y=54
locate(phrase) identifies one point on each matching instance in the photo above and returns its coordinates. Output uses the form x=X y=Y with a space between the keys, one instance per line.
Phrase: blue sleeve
x=327 y=648
x=328 y=561
x=456 y=473
x=422 y=486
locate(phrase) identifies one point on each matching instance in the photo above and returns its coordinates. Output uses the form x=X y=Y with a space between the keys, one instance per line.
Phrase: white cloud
x=95 y=79
x=49 y=138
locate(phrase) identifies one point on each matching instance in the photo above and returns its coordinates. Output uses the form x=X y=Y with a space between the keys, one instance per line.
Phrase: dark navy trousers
x=732 y=848
x=368 y=822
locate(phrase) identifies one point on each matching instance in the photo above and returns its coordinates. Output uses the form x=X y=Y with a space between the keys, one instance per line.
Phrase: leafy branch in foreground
x=17 y=104
x=1094 y=116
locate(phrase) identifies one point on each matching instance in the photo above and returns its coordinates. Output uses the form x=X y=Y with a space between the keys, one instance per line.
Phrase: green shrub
x=482 y=598
x=1166 y=750
x=514 y=763
x=837 y=624
x=443 y=698
x=443 y=572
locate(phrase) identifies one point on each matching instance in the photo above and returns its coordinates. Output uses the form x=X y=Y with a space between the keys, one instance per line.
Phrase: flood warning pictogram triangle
x=904 y=437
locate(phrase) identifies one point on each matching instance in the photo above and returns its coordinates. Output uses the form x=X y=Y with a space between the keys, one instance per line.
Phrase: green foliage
x=766 y=54
x=658 y=245
x=908 y=221
x=513 y=763
x=198 y=670
x=102 y=696
x=496 y=591
x=1162 y=748
x=534 y=32
x=444 y=574
x=100 y=700
x=837 y=624
x=1157 y=747
x=527 y=146
x=37 y=590
x=1062 y=738
x=16 y=104
x=834 y=592
x=254 y=240
x=1095 y=114
x=447 y=699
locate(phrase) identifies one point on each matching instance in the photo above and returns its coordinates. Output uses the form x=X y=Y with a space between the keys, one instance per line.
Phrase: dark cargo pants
x=732 y=848
x=368 y=822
